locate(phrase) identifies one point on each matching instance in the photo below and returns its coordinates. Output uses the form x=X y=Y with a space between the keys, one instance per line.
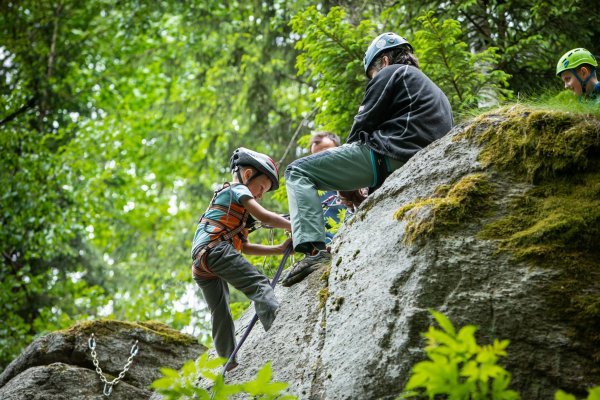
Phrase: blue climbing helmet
x=262 y=163
x=381 y=43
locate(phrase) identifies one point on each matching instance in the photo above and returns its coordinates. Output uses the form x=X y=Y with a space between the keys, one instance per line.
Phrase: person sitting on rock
x=220 y=237
x=577 y=69
x=402 y=112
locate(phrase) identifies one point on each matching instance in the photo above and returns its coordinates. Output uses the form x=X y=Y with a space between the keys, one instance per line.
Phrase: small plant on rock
x=458 y=367
x=175 y=385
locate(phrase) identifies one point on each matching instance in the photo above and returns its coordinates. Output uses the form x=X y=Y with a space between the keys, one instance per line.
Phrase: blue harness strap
x=381 y=170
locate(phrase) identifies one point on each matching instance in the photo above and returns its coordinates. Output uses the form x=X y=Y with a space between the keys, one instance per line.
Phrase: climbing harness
x=286 y=254
x=108 y=386
x=225 y=232
x=381 y=168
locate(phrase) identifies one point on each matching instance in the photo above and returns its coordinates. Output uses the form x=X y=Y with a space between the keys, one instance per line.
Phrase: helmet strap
x=254 y=175
x=239 y=176
x=582 y=81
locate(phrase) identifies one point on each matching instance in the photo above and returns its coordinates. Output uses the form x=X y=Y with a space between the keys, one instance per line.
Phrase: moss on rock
x=104 y=327
x=325 y=275
x=556 y=224
x=323 y=296
x=449 y=206
x=539 y=144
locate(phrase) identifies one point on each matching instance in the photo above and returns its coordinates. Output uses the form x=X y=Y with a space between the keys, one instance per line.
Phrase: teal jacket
x=595 y=95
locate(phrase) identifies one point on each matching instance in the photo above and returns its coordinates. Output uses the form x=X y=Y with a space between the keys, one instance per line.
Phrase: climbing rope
x=108 y=386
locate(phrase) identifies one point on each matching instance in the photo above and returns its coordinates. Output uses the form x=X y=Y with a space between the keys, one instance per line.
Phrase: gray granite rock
x=65 y=354
x=364 y=341
x=60 y=381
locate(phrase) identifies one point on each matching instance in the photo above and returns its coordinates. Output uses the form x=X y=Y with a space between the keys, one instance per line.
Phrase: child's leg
x=230 y=265
x=216 y=294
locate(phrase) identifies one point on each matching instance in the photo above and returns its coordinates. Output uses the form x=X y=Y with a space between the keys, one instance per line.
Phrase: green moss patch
x=449 y=207
x=325 y=275
x=323 y=296
x=337 y=303
x=556 y=224
x=105 y=327
x=537 y=144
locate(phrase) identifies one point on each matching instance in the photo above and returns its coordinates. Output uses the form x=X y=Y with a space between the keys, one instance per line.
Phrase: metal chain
x=108 y=386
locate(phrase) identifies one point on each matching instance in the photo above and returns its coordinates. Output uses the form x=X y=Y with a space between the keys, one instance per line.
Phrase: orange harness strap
x=199 y=267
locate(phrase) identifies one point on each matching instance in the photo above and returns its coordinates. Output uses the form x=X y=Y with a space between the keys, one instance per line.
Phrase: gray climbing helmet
x=243 y=157
x=381 y=43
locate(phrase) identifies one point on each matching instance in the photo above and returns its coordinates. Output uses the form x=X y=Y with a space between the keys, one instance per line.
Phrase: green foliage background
x=117 y=119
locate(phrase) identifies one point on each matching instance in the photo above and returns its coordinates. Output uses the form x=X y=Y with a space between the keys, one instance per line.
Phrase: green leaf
x=594 y=393
x=162 y=383
x=444 y=322
x=560 y=395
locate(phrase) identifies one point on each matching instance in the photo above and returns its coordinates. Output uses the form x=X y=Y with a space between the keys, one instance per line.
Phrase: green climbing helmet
x=383 y=42
x=574 y=58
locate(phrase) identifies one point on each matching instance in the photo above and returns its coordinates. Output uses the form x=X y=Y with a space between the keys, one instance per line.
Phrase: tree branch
x=30 y=103
x=293 y=139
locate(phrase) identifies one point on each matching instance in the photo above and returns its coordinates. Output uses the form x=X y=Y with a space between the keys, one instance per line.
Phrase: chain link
x=108 y=386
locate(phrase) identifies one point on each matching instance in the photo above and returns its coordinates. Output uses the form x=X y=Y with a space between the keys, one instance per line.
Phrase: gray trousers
x=347 y=167
x=231 y=267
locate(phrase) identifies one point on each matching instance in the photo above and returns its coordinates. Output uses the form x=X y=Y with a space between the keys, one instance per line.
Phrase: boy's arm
x=263 y=250
x=265 y=216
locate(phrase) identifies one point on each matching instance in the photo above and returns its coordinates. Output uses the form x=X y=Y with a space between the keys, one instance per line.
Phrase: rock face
x=430 y=239
x=59 y=365
x=495 y=225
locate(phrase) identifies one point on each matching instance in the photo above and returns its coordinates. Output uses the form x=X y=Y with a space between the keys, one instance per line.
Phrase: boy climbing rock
x=220 y=238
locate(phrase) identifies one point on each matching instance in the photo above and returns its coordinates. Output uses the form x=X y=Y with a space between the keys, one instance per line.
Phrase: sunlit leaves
x=593 y=394
x=118 y=118
x=181 y=385
x=458 y=367
x=468 y=79
x=331 y=56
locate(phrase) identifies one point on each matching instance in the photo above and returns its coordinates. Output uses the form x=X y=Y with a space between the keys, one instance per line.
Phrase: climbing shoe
x=303 y=268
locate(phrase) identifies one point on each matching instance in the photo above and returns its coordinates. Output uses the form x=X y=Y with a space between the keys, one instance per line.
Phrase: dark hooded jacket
x=402 y=112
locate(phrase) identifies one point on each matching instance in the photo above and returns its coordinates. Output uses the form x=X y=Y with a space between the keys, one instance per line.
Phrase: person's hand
x=352 y=198
x=285 y=245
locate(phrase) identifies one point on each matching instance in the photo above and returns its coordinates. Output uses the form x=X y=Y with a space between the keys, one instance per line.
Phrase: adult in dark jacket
x=402 y=112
